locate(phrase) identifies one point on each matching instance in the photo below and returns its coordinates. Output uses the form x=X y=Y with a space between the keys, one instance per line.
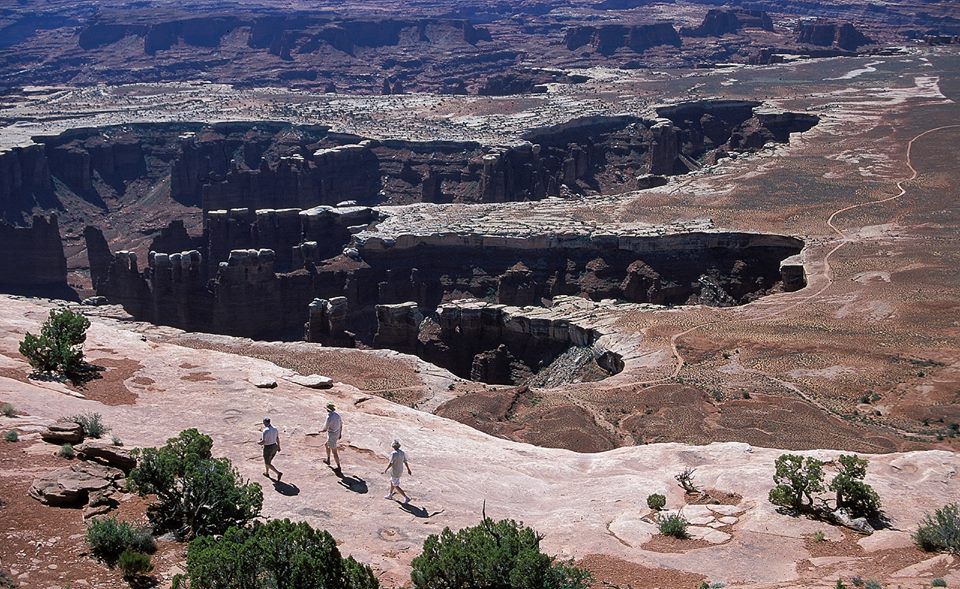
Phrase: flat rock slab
x=708 y=534
x=63 y=432
x=314 y=381
x=71 y=486
x=107 y=453
x=262 y=381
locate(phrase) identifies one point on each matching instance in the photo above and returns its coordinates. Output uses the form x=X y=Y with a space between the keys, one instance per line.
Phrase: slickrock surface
x=585 y=504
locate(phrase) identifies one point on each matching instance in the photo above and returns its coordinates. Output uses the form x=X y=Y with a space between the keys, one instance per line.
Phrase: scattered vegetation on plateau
x=196 y=493
x=492 y=555
x=279 y=553
x=940 y=531
x=109 y=538
x=58 y=350
x=656 y=501
x=674 y=525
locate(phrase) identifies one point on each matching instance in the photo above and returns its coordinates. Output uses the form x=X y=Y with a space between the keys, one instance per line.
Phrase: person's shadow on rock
x=286 y=489
x=353 y=483
x=415 y=511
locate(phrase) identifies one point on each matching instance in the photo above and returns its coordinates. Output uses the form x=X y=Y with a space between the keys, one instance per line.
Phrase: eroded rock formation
x=827 y=34
x=607 y=39
x=32 y=260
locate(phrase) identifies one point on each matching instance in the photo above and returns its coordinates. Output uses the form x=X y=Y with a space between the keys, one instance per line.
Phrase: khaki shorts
x=332 y=442
x=269 y=452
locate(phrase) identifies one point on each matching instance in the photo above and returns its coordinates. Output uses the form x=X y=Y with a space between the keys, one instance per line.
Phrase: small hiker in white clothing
x=398 y=459
x=270 y=440
x=334 y=428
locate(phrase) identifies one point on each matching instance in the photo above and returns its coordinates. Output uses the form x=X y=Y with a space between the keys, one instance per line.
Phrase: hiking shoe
x=388 y=496
x=279 y=476
x=406 y=500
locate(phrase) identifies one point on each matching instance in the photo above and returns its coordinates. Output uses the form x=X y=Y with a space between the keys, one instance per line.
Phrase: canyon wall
x=32 y=260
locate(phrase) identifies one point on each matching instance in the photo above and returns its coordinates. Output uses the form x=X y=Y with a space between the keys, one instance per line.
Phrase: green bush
x=196 y=493
x=853 y=494
x=66 y=451
x=674 y=525
x=938 y=582
x=6 y=580
x=279 y=553
x=109 y=538
x=940 y=532
x=656 y=501
x=492 y=555
x=8 y=410
x=871 y=584
x=134 y=564
x=796 y=479
x=11 y=436
x=58 y=349
x=92 y=424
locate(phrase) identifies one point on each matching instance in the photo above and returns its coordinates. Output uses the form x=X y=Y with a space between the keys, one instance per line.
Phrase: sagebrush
x=109 y=538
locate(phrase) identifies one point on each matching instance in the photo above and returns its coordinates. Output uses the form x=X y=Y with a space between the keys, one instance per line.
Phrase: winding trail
x=827 y=273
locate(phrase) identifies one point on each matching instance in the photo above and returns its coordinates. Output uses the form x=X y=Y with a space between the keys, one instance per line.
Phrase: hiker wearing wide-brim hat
x=334 y=428
x=398 y=460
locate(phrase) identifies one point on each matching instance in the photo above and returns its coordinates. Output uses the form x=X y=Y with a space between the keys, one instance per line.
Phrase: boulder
x=107 y=453
x=63 y=432
x=314 y=381
x=71 y=487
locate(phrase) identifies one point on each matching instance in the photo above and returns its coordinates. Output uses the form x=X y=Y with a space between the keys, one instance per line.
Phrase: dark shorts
x=269 y=452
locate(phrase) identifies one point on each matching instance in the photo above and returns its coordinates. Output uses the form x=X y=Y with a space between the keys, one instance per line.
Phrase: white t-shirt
x=270 y=435
x=333 y=425
x=397 y=459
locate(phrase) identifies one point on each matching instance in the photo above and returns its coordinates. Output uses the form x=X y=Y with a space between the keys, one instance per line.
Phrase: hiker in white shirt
x=270 y=440
x=398 y=460
x=334 y=428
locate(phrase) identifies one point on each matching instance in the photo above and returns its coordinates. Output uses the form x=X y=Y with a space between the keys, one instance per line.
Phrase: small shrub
x=857 y=581
x=11 y=436
x=656 y=501
x=66 y=451
x=685 y=480
x=279 y=553
x=797 y=479
x=674 y=525
x=8 y=410
x=92 y=424
x=134 y=564
x=938 y=582
x=58 y=349
x=746 y=395
x=819 y=536
x=853 y=494
x=871 y=584
x=109 y=538
x=502 y=555
x=940 y=532
x=839 y=585
x=116 y=441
